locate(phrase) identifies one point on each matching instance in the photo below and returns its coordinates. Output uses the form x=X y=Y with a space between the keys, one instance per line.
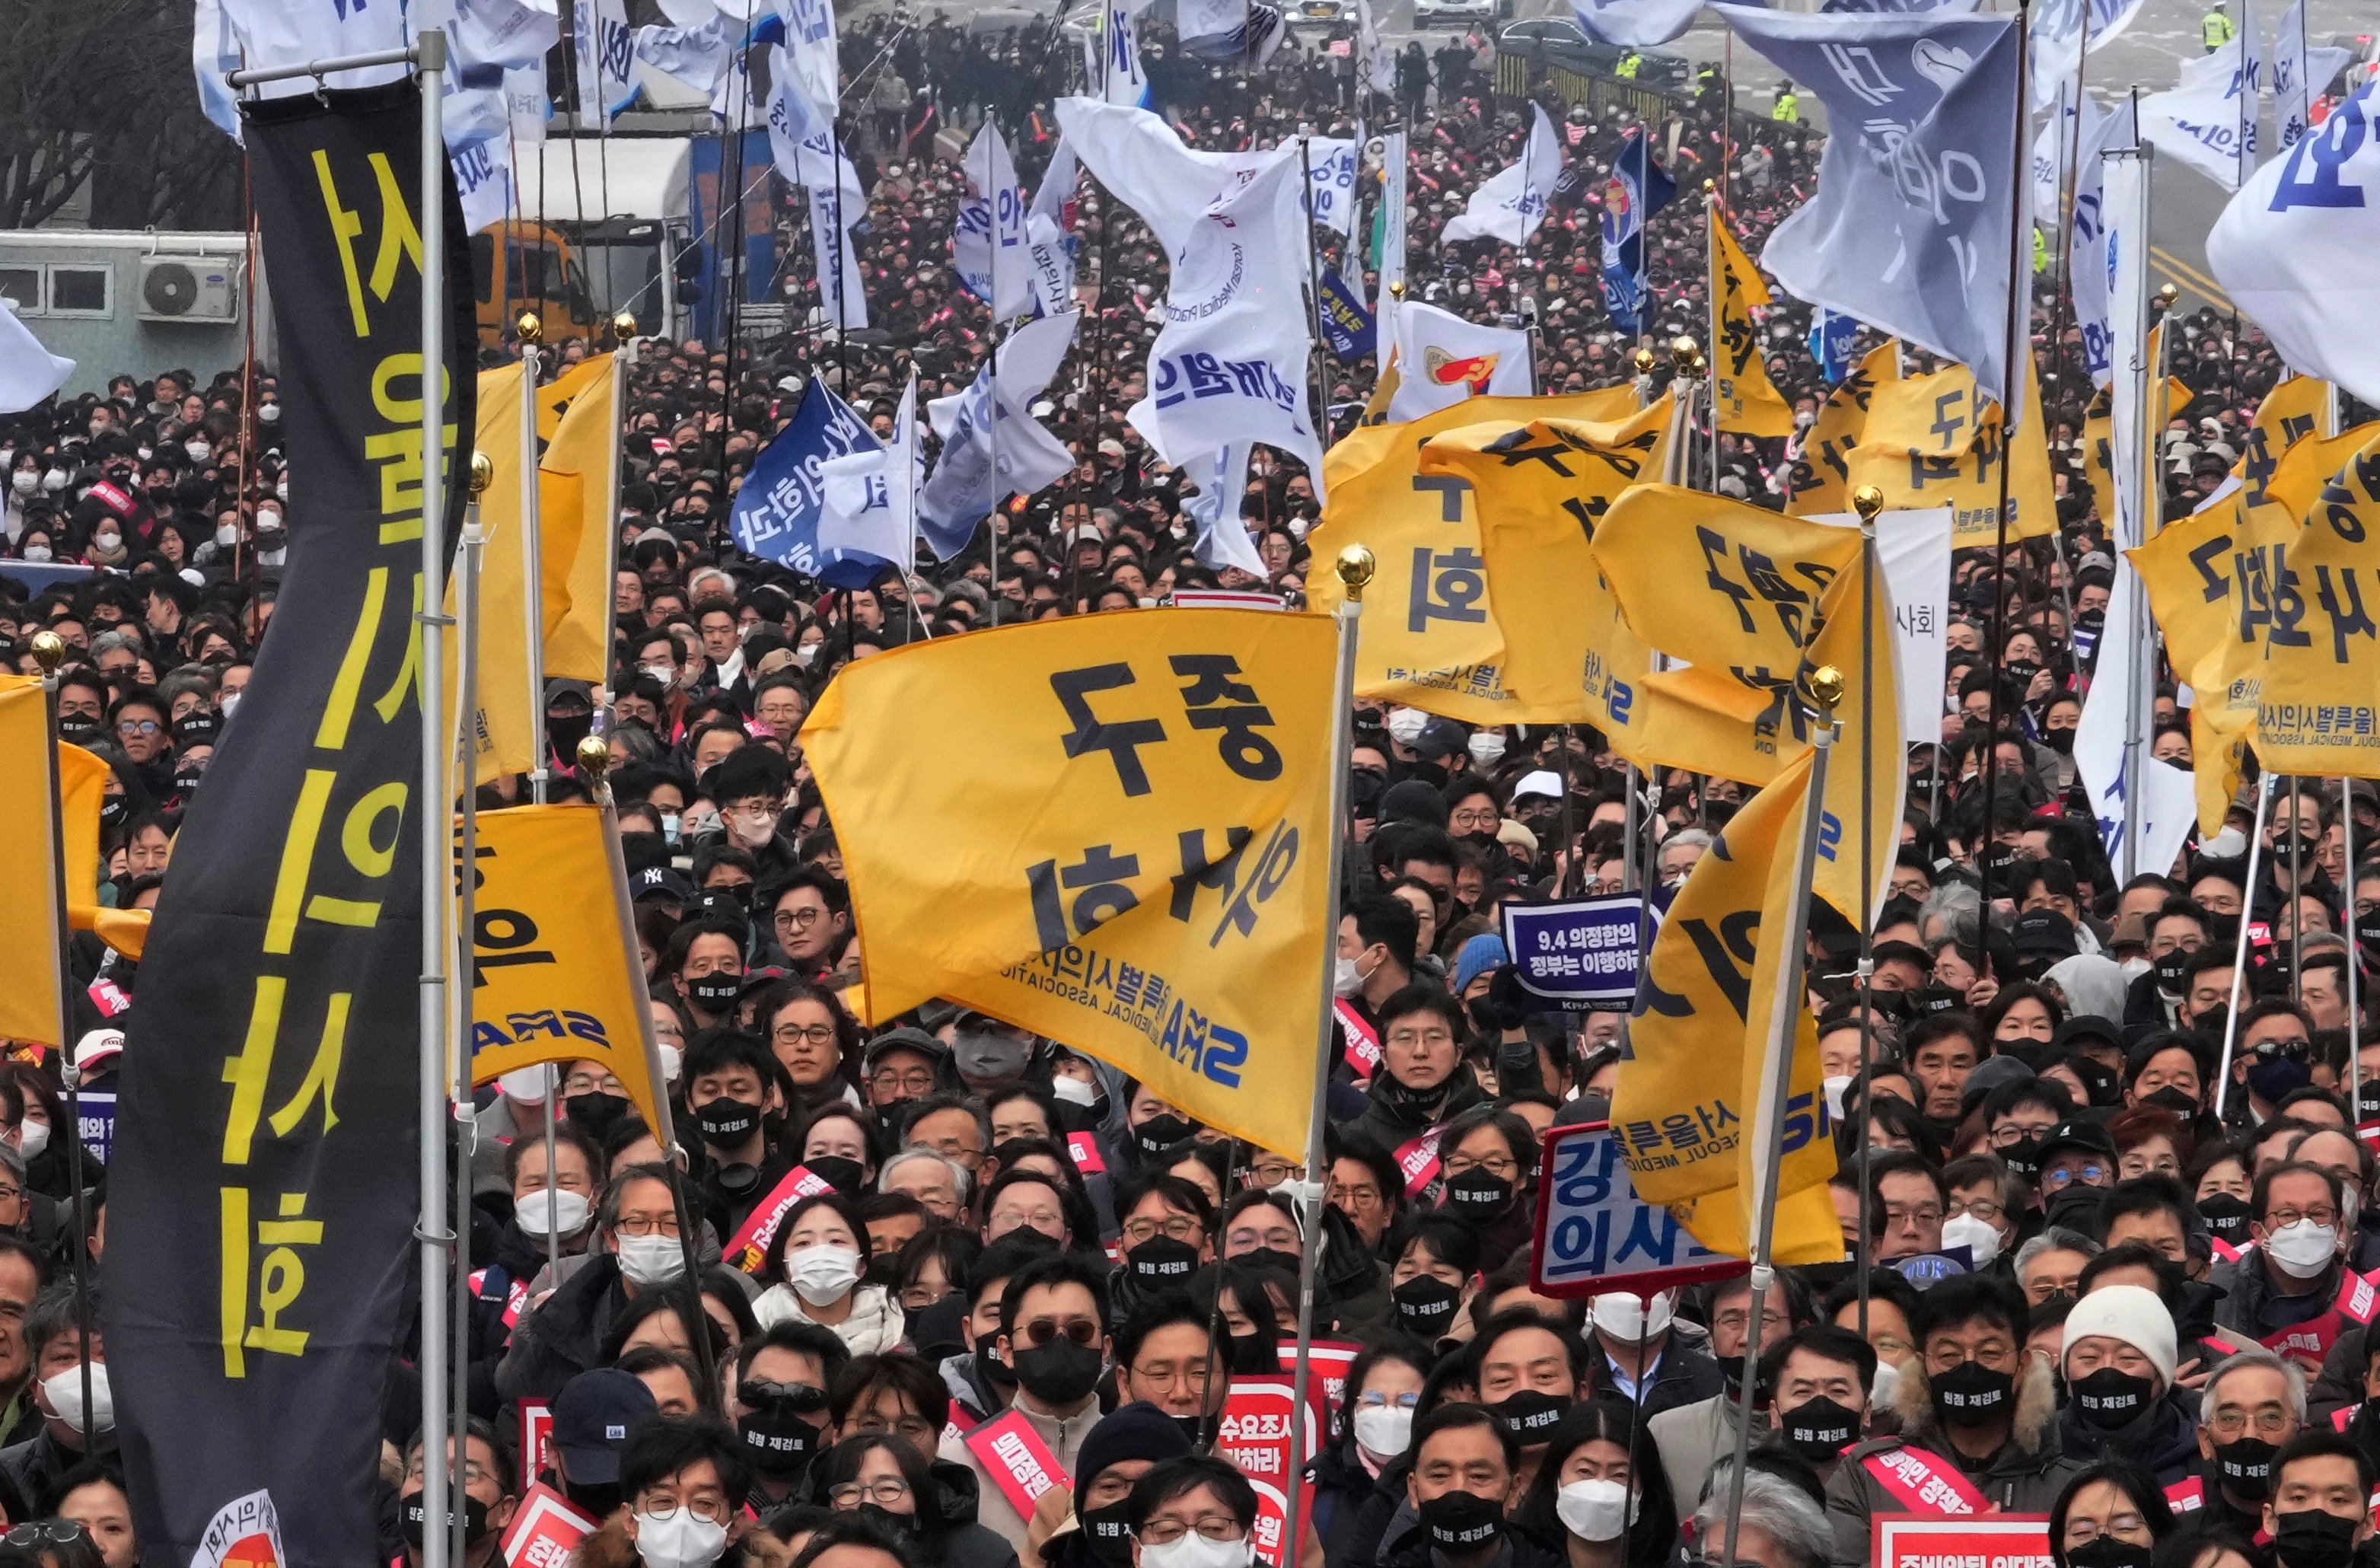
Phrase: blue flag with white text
x=1637 y=190
x=1830 y=343
x=776 y=513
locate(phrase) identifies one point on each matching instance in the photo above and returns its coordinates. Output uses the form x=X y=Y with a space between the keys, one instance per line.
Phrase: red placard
x=749 y=1247
x=545 y=1531
x=1326 y=1378
x=1363 y=1053
x=1254 y=1436
x=1016 y=1459
x=1085 y=1147
x=536 y=1437
x=1984 y=1540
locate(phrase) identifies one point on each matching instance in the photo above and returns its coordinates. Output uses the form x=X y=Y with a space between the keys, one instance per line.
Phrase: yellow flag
x=2311 y=597
x=1688 y=1094
x=1934 y=441
x=29 y=919
x=1541 y=491
x=500 y=731
x=1820 y=473
x=1752 y=602
x=557 y=974
x=1748 y=401
x=2099 y=442
x=1431 y=636
x=2293 y=410
x=2190 y=569
x=2297 y=481
x=1113 y=830
x=574 y=503
x=83 y=781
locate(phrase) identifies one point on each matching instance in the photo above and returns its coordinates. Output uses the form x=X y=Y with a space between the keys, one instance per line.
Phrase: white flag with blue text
x=1911 y=229
x=1222 y=539
x=989 y=235
x=2057 y=29
x=2209 y=121
x=214 y=52
x=1331 y=197
x=2300 y=74
x=810 y=41
x=700 y=57
x=870 y=500
x=992 y=446
x=1512 y=201
x=1148 y=167
x=2086 y=255
x=277 y=33
x=607 y=55
x=2294 y=249
x=806 y=153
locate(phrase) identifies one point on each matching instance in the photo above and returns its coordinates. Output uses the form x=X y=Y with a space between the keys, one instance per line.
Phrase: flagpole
x=1867 y=501
x=2239 y=952
x=624 y=328
x=437 y=793
x=1354 y=567
x=2143 y=375
x=531 y=331
x=2354 y=955
x=1643 y=363
x=1768 y=1127
x=1718 y=339
x=49 y=655
x=2020 y=317
x=463 y=745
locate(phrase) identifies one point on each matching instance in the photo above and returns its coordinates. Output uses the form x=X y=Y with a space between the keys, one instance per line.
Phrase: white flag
x=700 y=57
x=2057 y=154
x=1230 y=363
x=992 y=446
x=2294 y=249
x=2299 y=72
x=1139 y=157
x=1118 y=70
x=1441 y=359
x=804 y=146
x=607 y=54
x=527 y=102
x=2123 y=263
x=691 y=15
x=2209 y=121
x=28 y=372
x=491 y=32
x=1223 y=540
x=275 y=33
x=2086 y=266
x=214 y=52
x=988 y=237
x=1392 y=211
x=1380 y=63
x=478 y=144
x=810 y=40
x=1634 y=24
x=1331 y=195
x=872 y=497
x=2056 y=31
x=1913 y=548
x=1513 y=202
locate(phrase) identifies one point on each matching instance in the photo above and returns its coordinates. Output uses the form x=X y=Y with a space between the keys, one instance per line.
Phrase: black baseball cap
x=594 y=1416
x=2075 y=1132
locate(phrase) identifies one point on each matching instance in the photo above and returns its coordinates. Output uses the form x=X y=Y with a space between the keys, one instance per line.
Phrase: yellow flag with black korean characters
x=556 y=973
x=1746 y=400
x=2312 y=596
x=1432 y=638
x=2191 y=569
x=1819 y=481
x=1934 y=441
x=29 y=920
x=1113 y=830
x=1685 y=1108
x=1752 y=603
x=2293 y=410
x=1542 y=490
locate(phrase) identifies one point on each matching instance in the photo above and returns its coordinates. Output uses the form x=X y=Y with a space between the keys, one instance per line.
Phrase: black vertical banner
x=264 y=1171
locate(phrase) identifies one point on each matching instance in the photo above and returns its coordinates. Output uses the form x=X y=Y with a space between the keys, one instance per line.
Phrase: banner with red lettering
x=1016 y=1459
x=1254 y=1436
x=1418 y=1160
x=1326 y=1384
x=545 y=1531
x=749 y=1247
x=536 y=1437
x=1363 y=1053
x=1928 y=1540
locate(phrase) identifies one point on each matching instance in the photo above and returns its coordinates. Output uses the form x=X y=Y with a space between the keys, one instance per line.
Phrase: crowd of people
x=2102 y=1197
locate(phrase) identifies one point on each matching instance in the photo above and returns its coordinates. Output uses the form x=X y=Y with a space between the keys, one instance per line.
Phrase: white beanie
x=2129 y=1313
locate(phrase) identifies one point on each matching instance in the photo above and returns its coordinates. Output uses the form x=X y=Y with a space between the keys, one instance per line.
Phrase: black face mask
x=1530 y=1414
x=726 y=1121
x=2179 y=1102
x=1940 y=999
x=1426 y=1305
x=1971 y=1395
x=1163 y=1131
x=843 y=1175
x=2367 y=938
x=2168 y=969
x=2106 y=1551
x=2313 y=1539
x=2023 y=1156
x=111 y=808
x=715 y=992
x=995 y=1371
x=776 y=1439
x=78 y=728
x=2059 y=741
x=2246 y=1467
x=1475 y=1194
x=415 y=1518
x=186 y=783
x=899 y=1524
x=2226 y=1216
x=595 y=1113
x=2077 y=1207
x=2111 y=1399
x=884 y=1268
x=1061 y=1372
x=1273 y=1257
x=1255 y=1356
x=1161 y=1261
x=1466 y=1522
x=1819 y=1429
x=1109 y=1533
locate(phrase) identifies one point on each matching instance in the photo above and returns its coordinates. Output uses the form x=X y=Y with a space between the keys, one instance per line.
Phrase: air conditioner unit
x=190 y=288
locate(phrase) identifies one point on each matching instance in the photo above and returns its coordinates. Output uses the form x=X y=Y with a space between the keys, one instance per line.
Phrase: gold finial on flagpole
x=49 y=652
x=1355 y=566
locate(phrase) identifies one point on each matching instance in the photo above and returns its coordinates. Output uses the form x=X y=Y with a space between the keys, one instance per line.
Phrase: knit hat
x=1138 y=1431
x=2129 y=1313
x=1414 y=801
x=1475 y=957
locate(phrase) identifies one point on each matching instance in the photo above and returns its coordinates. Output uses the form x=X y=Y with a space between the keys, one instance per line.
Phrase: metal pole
x=2354 y=955
x=1354 y=567
x=462 y=748
x=532 y=570
x=1718 y=314
x=49 y=653
x=2239 y=954
x=437 y=793
x=1868 y=501
x=2145 y=373
x=624 y=327
x=2020 y=317
x=1768 y=1127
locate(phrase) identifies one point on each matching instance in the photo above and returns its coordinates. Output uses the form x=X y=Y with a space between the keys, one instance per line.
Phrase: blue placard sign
x=1595 y=1235
x=1580 y=956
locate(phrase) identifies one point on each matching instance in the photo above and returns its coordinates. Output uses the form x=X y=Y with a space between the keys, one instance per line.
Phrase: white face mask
x=2302 y=1248
x=269 y=412
x=1384 y=1430
x=807 y=654
x=1834 y=1089
x=651 y=1260
x=669 y=827
x=1596 y=1510
x=755 y=828
x=25 y=482
x=199 y=450
x=685 y=1539
x=1073 y=1091
x=1888 y=1380
x=1626 y=1319
x=65 y=1390
x=1982 y=1242
x=822 y=1275
x=37 y=553
x=54 y=481
x=227 y=535
x=569 y=1212
x=1405 y=724
x=527 y=1084
x=281 y=489
x=32 y=1138
x=1347 y=978
x=665 y=673
x=1195 y=1550
x=1488 y=748
x=107 y=542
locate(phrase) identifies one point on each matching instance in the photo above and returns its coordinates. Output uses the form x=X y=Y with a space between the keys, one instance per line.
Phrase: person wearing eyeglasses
x=1089 y=1527
x=2108 y=1516
x=2280 y=1295
x=2078 y=1166
x=142 y=725
x=896 y=1395
x=1195 y=1512
x=809 y=915
x=887 y=1480
x=2249 y=1406
x=1053 y=1334
x=1423 y=1080
x=488 y=1496
x=684 y=1484
x=61 y=1340
x=1167 y=1231
x=2274 y=1059
x=1166 y=1356
x=812 y=1037
x=777 y=1399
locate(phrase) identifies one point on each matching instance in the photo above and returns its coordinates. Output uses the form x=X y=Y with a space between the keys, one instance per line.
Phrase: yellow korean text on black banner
x=265 y=1150
x=1113 y=830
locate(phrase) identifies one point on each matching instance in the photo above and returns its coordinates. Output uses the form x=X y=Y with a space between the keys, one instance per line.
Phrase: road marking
x=2189 y=277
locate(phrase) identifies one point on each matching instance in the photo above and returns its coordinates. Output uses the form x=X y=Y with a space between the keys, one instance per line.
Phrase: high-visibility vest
x=1788 y=109
x=1627 y=68
x=2040 y=252
x=2215 y=30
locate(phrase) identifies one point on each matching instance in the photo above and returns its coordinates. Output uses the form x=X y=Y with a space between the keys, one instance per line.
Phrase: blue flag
x=1917 y=201
x=1638 y=189
x=1347 y=325
x=1830 y=343
x=776 y=513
